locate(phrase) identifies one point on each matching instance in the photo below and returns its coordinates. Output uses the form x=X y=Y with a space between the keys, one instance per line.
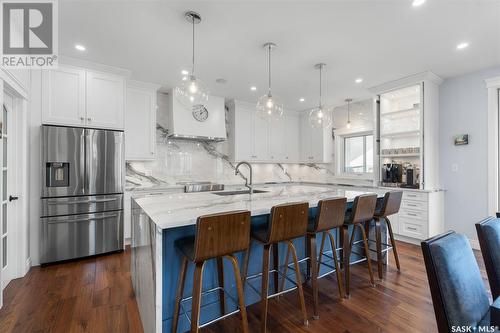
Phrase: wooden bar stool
x=361 y=213
x=217 y=236
x=390 y=205
x=286 y=222
x=330 y=216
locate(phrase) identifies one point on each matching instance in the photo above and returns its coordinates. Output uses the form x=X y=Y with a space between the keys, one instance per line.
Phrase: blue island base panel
x=210 y=302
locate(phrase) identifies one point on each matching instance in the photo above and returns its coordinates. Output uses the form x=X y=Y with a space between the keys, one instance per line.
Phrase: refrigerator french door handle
x=83 y=220
x=83 y=160
x=80 y=201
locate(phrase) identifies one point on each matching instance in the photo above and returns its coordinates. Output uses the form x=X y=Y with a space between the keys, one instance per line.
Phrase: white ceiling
x=376 y=40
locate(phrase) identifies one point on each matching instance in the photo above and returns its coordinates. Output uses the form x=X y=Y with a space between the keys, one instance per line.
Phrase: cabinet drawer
x=410 y=229
x=412 y=195
x=413 y=214
x=414 y=205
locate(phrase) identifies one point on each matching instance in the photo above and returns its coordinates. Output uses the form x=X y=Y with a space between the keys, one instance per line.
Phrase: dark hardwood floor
x=95 y=295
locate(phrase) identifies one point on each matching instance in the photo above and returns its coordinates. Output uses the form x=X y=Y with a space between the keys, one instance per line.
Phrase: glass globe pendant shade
x=191 y=91
x=320 y=117
x=269 y=107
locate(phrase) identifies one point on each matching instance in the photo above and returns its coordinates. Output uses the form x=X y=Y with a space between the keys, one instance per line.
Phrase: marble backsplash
x=178 y=161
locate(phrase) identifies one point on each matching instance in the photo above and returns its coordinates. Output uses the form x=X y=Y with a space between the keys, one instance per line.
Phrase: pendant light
x=191 y=91
x=320 y=116
x=348 y=101
x=269 y=106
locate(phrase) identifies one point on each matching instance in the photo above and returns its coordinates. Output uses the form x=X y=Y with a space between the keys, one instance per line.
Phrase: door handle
x=13 y=197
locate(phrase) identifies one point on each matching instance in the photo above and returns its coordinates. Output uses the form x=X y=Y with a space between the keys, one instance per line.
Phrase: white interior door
x=9 y=260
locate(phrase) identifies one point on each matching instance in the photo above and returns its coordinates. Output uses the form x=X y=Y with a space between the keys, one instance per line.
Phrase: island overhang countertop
x=181 y=209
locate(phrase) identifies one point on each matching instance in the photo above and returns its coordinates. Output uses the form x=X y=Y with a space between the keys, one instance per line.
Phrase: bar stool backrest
x=221 y=234
x=288 y=221
x=330 y=214
x=391 y=203
x=363 y=208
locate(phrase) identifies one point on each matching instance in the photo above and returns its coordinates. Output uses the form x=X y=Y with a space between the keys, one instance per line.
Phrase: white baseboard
x=405 y=239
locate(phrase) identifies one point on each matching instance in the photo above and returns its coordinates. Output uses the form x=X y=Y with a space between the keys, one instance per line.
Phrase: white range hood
x=204 y=122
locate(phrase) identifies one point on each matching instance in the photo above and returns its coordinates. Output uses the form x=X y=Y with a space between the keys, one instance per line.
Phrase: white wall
x=463 y=110
x=35 y=121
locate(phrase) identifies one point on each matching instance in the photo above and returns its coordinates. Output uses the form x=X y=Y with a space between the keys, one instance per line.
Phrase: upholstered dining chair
x=488 y=234
x=458 y=292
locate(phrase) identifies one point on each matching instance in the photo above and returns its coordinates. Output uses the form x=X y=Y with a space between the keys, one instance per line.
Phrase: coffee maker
x=411 y=177
x=392 y=174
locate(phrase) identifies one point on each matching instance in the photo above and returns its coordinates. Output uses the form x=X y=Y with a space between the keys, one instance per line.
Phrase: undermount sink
x=239 y=192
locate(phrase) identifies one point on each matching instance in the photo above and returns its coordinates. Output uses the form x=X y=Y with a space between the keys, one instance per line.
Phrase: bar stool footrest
x=203 y=293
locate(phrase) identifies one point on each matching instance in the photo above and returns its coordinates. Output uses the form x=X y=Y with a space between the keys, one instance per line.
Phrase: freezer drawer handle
x=81 y=201
x=84 y=220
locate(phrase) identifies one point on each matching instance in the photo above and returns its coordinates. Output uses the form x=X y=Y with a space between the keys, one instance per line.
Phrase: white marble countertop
x=172 y=210
x=179 y=187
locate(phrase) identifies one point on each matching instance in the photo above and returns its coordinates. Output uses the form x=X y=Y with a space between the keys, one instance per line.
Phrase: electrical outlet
x=454 y=167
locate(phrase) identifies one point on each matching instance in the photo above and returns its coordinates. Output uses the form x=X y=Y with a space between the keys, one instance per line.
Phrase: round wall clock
x=200 y=112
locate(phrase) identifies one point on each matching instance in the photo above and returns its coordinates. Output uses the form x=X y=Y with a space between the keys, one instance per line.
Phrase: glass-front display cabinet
x=401 y=137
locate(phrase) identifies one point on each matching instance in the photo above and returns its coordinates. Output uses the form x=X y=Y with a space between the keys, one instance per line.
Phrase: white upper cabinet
x=140 y=121
x=105 y=100
x=249 y=134
x=63 y=96
x=257 y=140
x=74 y=96
x=241 y=134
x=277 y=142
x=316 y=145
x=292 y=139
x=260 y=138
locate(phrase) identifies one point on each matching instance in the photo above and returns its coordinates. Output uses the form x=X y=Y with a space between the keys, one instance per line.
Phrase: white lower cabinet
x=75 y=96
x=140 y=121
x=420 y=215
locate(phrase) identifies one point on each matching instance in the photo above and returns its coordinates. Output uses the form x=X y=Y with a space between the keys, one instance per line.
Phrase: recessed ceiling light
x=253 y=88
x=417 y=3
x=221 y=80
x=462 y=45
x=302 y=99
x=79 y=47
x=358 y=80
x=184 y=72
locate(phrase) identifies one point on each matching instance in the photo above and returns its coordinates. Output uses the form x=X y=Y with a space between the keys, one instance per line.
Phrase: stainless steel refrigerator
x=82 y=192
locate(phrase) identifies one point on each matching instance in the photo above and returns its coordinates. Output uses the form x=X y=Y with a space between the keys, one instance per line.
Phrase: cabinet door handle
x=89 y=119
x=412 y=228
x=411 y=205
x=82 y=118
x=411 y=214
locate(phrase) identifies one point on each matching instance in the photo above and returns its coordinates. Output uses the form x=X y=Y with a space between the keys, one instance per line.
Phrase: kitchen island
x=157 y=221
